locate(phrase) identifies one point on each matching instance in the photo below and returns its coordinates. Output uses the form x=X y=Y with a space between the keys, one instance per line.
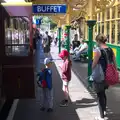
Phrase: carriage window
x=17 y=37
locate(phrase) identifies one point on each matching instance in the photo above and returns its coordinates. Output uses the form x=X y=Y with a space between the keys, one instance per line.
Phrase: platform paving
x=82 y=106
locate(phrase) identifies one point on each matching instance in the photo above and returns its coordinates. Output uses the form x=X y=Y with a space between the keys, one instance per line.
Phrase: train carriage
x=16 y=52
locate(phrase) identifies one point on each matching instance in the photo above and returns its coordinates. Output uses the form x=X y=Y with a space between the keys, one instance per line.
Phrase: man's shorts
x=65 y=86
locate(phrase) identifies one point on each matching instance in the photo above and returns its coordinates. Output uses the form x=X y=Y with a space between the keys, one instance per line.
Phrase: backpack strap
x=106 y=55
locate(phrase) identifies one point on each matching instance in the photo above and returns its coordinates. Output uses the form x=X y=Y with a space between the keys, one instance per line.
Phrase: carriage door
x=18 y=72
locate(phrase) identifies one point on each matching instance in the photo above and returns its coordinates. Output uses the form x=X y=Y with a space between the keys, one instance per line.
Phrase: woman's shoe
x=64 y=103
x=99 y=118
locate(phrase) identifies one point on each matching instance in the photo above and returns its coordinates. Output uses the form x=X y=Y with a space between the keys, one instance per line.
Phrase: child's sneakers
x=64 y=103
x=42 y=109
x=49 y=110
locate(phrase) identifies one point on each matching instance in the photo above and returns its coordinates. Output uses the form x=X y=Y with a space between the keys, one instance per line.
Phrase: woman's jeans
x=102 y=100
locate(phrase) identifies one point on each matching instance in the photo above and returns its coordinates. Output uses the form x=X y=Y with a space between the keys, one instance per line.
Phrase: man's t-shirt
x=75 y=44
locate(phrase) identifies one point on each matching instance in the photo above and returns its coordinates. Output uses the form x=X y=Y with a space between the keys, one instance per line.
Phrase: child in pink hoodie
x=66 y=75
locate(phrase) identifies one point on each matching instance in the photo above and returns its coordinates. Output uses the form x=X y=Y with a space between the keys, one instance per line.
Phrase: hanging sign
x=49 y=9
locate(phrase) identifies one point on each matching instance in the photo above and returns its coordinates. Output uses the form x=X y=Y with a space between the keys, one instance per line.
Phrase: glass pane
x=17 y=50
x=119 y=32
x=8 y=36
x=108 y=13
x=102 y=26
x=98 y=16
x=113 y=12
x=17 y=39
x=103 y=14
x=118 y=11
x=108 y=26
x=95 y=34
x=113 y=32
x=98 y=28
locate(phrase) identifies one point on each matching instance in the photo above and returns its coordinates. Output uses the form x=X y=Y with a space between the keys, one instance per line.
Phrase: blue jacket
x=48 y=77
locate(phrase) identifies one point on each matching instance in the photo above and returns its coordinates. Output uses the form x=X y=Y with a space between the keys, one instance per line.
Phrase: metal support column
x=59 y=38
x=90 y=24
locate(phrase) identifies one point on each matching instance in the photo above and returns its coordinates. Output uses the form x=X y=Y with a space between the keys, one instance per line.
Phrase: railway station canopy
x=75 y=8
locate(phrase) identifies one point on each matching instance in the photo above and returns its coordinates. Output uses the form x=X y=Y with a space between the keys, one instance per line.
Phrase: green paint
x=90 y=24
x=59 y=38
x=117 y=53
x=67 y=38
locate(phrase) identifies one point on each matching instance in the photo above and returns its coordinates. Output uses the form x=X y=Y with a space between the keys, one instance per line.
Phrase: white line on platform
x=12 y=110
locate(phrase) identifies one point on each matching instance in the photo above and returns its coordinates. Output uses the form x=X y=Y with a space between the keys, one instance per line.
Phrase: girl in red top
x=66 y=75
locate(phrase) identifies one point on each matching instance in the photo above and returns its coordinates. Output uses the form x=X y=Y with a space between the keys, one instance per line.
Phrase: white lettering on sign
x=59 y=8
x=55 y=9
x=51 y=8
x=48 y=8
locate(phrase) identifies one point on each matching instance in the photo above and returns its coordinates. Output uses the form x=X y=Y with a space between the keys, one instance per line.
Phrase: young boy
x=46 y=84
x=66 y=75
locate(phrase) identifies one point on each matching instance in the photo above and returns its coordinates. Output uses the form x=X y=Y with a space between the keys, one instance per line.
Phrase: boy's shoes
x=50 y=110
x=42 y=109
x=64 y=103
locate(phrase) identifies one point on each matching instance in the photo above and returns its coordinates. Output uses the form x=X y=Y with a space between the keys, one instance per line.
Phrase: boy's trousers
x=47 y=98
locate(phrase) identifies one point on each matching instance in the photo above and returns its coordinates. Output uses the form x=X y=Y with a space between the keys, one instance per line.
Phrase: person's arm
x=60 y=65
x=85 y=47
x=97 y=55
x=79 y=47
x=65 y=67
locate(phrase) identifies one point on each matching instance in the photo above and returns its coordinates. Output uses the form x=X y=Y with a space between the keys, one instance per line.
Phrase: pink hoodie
x=66 y=70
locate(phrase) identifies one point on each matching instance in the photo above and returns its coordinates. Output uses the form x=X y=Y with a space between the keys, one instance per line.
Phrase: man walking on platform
x=46 y=43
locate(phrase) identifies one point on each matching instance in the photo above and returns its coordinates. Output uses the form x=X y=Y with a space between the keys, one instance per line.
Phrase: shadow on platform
x=30 y=109
x=113 y=113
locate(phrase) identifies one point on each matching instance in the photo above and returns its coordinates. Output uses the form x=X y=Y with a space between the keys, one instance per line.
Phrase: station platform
x=82 y=106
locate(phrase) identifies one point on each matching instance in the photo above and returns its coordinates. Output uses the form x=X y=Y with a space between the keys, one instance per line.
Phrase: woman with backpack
x=102 y=54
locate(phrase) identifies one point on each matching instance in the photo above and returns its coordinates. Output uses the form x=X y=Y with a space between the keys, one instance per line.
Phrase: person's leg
x=43 y=101
x=102 y=102
x=105 y=101
x=77 y=54
x=76 y=49
x=50 y=99
x=66 y=94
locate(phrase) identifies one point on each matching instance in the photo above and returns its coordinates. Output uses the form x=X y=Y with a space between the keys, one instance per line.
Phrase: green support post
x=59 y=38
x=90 y=24
x=67 y=41
x=65 y=38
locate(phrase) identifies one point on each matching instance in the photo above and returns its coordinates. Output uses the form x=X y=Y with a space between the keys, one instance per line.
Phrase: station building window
x=108 y=23
x=113 y=13
x=16 y=37
x=108 y=13
x=102 y=25
x=108 y=29
x=113 y=33
x=118 y=35
x=118 y=11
